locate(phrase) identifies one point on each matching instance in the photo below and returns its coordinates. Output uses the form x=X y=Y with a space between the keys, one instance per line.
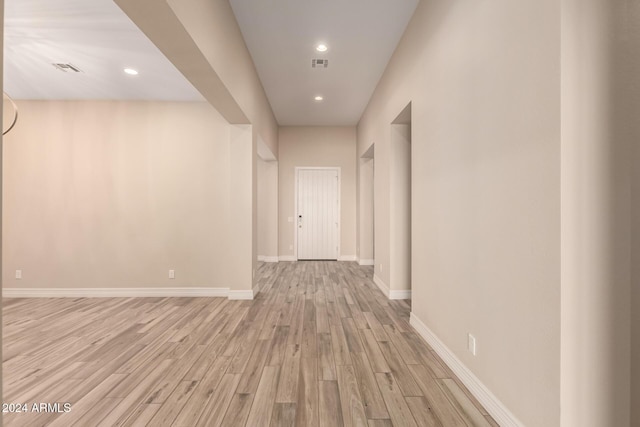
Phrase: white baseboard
x=405 y=294
x=112 y=292
x=266 y=258
x=491 y=403
x=366 y=262
x=383 y=286
x=395 y=294
x=248 y=294
x=293 y=258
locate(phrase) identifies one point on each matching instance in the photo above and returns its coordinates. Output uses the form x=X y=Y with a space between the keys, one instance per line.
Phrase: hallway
x=319 y=346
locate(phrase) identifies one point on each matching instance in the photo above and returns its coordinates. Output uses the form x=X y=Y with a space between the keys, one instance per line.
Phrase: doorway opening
x=400 y=206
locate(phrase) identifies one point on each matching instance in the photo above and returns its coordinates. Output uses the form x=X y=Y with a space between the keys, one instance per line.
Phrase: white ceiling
x=282 y=34
x=95 y=36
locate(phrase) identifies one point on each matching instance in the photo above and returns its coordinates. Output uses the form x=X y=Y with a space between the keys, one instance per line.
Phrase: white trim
x=366 y=262
x=347 y=258
x=383 y=286
x=295 y=205
x=112 y=292
x=244 y=294
x=400 y=294
x=391 y=294
x=266 y=258
x=287 y=258
x=495 y=407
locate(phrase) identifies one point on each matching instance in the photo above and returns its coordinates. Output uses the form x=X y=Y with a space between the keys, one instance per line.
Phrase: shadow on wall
x=622 y=122
x=627 y=102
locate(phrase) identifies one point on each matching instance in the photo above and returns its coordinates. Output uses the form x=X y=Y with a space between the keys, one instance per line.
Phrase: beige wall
x=598 y=119
x=268 y=209
x=365 y=249
x=114 y=194
x=212 y=25
x=628 y=60
x=317 y=146
x=483 y=80
x=203 y=40
x=243 y=238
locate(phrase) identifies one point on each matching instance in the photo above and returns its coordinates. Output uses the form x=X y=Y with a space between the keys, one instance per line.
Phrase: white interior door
x=318 y=213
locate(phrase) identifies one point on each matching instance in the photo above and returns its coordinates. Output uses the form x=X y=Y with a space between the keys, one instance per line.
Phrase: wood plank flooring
x=319 y=346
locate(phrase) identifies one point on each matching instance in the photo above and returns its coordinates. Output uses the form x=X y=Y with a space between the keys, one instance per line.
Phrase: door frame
x=295 y=202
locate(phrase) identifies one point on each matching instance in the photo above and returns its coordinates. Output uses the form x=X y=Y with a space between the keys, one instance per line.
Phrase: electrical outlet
x=172 y=274
x=380 y=267
x=18 y=274
x=471 y=344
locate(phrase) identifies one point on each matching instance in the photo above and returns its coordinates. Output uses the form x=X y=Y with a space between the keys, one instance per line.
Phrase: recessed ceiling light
x=321 y=48
x=131 y=71
x=318 y=98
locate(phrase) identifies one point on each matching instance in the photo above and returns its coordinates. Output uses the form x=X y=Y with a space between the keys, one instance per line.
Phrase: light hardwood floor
x=319 y=346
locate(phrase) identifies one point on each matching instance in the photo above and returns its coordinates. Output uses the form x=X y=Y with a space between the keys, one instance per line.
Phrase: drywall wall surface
x=242 y=242
x=267 y=209
x=213 y=26
x=628 y=91
x=203 y=40
x=159 y=23
x=365 y=209
x=483 y=81
x=115 y=194
x=595 y=218
x=317 y=147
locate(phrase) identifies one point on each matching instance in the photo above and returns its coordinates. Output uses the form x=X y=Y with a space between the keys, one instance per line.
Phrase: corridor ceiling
x=282 y=36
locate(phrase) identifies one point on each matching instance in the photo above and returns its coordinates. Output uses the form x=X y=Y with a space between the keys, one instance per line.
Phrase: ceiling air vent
x=67 y=67
x=319 y=63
